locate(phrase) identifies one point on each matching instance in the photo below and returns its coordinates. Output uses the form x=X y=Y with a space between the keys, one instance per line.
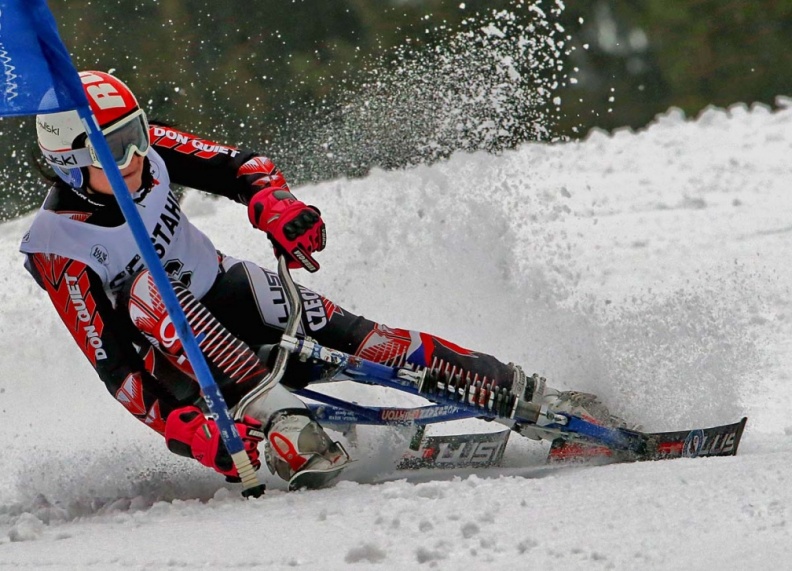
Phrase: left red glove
x=189 y=433
x=295 y=229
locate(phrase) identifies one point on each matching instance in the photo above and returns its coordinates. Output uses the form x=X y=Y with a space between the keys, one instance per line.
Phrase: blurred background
x=332 y=89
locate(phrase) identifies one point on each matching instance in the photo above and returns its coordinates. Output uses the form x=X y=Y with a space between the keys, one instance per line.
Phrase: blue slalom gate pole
x=211 y=392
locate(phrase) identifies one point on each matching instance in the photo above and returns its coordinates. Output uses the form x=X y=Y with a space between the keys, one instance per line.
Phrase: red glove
x=294 y=228
x=189 y=433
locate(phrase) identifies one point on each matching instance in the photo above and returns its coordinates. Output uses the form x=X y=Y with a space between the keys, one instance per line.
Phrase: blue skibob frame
x=445 y=406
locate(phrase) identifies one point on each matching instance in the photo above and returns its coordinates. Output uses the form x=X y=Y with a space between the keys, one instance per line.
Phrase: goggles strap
x=70 y=159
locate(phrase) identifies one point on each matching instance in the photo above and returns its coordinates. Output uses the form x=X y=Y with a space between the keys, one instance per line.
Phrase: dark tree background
x=263 y=73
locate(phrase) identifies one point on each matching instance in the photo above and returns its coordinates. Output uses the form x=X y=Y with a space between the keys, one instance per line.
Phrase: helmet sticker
x=104 y=95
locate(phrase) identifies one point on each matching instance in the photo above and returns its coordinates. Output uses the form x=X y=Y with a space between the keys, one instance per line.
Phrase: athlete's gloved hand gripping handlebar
x=295 y=229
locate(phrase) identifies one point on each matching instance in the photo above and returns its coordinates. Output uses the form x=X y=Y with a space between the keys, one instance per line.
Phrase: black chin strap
x=99 y=200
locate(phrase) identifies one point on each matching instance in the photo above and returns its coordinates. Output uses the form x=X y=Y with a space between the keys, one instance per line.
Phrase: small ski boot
x=584 y=405
x=299 y=451
x=588 y=407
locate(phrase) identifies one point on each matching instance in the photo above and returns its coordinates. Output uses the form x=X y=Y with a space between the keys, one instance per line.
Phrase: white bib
x=186 y=253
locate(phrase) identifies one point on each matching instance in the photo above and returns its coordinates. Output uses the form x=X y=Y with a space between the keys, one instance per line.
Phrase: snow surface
x=650 y=267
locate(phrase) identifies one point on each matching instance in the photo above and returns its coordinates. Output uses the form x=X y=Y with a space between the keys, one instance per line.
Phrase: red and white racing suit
x=82 y=254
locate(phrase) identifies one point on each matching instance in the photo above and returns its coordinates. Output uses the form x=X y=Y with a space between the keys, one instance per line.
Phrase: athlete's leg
x=234 y=365
x=298 y=448
x=251 y=303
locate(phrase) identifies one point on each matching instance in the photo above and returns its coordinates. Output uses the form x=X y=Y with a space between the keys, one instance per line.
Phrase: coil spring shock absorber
x=446 y=383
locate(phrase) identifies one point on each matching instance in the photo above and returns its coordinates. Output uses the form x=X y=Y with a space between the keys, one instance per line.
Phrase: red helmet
x=62 y=136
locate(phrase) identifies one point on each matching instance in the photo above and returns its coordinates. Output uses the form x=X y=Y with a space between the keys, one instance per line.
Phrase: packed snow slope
x=649 y=267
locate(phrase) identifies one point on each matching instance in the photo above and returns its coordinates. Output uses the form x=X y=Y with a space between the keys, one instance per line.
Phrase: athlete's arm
x=295 y=229
x=194 y=162
x=105 y=338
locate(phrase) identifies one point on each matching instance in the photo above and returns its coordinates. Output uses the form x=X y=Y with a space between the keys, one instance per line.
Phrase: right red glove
x=189 y=433
x=294 y=228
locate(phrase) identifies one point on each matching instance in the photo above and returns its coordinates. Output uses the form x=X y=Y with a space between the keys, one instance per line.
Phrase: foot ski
x=697 y=443
x=311 y=479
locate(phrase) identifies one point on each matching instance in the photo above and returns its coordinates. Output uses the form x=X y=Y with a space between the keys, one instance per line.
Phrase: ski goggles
x=126 y=138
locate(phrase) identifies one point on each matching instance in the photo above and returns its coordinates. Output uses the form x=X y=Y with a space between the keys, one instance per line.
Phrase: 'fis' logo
x=100 y=254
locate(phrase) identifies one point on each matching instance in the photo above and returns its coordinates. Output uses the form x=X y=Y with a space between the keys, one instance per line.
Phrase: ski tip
x=695 y=443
